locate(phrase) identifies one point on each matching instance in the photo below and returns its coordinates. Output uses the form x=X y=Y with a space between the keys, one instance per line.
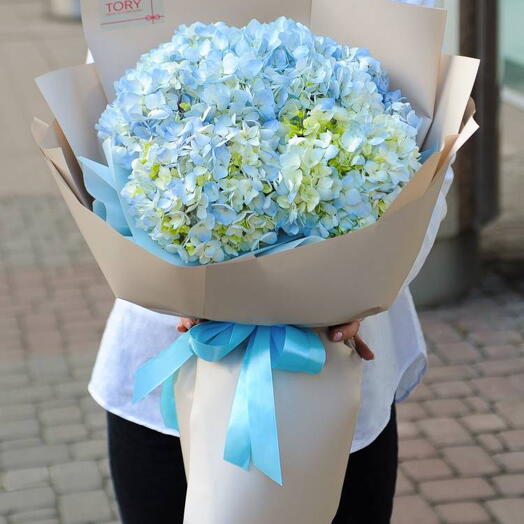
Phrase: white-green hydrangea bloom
x=234 y=136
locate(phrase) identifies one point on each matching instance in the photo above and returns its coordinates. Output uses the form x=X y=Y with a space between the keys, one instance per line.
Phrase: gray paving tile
x=12 y=501
x=42 y=455
x=33 y=517
x=74 y=477
x=90 y=506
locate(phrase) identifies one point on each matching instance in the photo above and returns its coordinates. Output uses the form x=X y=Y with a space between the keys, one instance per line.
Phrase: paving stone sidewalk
x=462 y=432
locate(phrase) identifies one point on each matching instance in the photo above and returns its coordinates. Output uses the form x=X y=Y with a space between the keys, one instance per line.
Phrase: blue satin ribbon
x=252 y=434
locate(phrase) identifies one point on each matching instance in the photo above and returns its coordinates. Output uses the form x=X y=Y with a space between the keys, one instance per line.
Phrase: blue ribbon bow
x=252 y=432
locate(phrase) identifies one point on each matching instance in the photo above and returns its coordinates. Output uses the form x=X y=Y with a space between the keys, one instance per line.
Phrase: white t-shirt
x=134 y=334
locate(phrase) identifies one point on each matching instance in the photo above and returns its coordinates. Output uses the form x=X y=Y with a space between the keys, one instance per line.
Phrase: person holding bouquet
x=146 y=458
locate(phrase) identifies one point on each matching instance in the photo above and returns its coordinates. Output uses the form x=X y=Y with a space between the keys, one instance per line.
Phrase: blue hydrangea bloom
x=233 y=136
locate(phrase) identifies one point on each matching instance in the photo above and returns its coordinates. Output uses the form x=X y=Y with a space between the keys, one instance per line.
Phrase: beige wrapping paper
x=316 y=414
x=316 y=417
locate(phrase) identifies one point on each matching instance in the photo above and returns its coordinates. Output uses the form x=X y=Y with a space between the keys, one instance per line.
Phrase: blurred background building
x=484 y=221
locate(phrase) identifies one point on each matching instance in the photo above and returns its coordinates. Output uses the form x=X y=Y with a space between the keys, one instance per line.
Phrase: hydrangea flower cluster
x=235 y=136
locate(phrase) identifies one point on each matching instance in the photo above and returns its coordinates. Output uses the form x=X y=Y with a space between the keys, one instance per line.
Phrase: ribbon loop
x=212 y=341
x=252 y=434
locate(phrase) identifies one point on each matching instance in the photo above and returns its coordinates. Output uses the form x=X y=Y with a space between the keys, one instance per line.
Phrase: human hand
x=185 y=324
x=346 y=332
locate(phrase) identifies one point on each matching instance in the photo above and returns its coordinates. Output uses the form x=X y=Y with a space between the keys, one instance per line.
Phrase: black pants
x=150 y=484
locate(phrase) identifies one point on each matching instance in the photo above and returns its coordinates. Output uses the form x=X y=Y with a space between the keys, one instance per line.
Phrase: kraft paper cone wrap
x=288 y=286
x=316 y=417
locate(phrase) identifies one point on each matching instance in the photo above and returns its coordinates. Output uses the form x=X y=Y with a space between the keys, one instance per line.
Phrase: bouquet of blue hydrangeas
x=233 y=139
x=273 y=172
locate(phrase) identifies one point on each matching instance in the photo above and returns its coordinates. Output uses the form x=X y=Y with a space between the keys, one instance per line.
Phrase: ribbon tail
x=238 y=443
x=168 y=403
x=157 y=370
x=261 y=405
